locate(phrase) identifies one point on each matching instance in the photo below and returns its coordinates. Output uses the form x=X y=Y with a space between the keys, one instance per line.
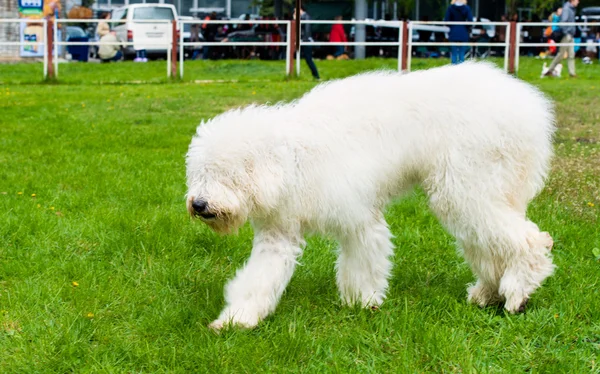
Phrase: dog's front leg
x=257 y=287
x=364 y=265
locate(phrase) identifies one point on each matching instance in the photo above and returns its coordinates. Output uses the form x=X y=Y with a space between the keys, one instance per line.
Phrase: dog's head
x=234 y=168
x=215 y=204
x=216 y=194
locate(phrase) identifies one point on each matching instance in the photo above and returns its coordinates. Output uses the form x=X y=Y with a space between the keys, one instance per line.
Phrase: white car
x=137 y=26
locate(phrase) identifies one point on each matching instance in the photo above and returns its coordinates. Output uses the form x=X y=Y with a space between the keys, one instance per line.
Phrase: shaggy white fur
x=477 y=140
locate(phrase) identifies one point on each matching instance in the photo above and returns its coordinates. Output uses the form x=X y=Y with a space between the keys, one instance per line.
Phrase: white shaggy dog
x=477 y=140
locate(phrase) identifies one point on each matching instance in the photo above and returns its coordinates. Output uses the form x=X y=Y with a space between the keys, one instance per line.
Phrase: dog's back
x=473 y=109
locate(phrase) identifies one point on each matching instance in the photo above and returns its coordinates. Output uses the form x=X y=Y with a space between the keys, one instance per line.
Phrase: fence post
x=288 y=48
x=55 y=46
x=45 y=23
x=292 y=49
x=405 y=45
x=49 y=46
x=181 y=49
x=174 y=50
x=512 y=47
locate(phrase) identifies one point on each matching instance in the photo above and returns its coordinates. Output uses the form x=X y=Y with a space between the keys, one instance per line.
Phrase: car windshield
x=153 y=13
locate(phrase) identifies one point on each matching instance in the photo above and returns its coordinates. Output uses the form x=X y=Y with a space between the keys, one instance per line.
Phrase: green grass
x=250 y=71
x=102 y=271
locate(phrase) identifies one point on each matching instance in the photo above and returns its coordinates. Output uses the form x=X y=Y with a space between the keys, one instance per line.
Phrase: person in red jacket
x=338 y=35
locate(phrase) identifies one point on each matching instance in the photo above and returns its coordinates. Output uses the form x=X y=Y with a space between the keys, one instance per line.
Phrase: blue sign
x=31 y=6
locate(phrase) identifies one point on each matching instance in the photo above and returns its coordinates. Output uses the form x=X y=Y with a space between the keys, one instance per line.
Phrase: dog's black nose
x=199 y=206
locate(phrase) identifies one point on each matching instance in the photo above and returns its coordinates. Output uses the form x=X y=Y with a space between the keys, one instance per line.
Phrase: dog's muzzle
x=199 y=208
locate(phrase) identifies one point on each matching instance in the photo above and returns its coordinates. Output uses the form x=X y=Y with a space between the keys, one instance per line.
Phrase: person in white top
x=109 y=50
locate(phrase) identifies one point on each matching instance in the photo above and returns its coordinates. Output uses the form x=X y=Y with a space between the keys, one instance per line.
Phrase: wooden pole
x=174 y=49
x=297 y=25
x=512 y=47
x=405 y=37
x=49 y=47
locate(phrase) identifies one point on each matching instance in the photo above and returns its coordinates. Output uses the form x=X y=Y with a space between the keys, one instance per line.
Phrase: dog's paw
x=219 y=324
x=514 y=294
x=482 y=295
x=546 y=240
x=541 y=240
x=372 y=300
x=227 y=319
x=516 y=306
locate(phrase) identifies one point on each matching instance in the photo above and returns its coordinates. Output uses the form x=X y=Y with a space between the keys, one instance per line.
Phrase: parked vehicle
x=137 y=27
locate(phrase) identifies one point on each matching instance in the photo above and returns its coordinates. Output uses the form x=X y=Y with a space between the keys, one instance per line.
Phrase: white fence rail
x=521 y=44
x=391 y=24
x=403 y=41
x=168 y=46
x=183 y=44
x=505 y=44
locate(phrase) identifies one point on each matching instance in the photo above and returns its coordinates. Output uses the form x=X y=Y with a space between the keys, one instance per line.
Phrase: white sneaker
x=138 y=59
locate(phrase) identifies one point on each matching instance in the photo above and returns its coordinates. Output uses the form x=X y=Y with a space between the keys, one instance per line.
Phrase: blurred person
x=568 y=33
x=338 y=35
x=109 y=52
x=306 y=36
x=103 y=28
x=458 y=11
x=501 y=30
x=500 y=36
x=195 y=38
x=555 y=18
x=210 y=33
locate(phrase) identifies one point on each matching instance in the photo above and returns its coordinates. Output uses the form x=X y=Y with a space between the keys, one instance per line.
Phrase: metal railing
x=183 y=44
x=556 y=44
x=391 y=24
x=168 y=46
x=505 y=44
x=404 y=42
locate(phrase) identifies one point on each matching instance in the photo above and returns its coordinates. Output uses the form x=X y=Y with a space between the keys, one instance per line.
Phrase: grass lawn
x=101 y=270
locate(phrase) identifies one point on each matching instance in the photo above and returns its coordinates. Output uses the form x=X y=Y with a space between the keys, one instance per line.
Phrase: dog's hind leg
x=526 y=268
x=364 y=265
x=511 y=258
x=485 y=291
x=256 y=289
x=508 y=254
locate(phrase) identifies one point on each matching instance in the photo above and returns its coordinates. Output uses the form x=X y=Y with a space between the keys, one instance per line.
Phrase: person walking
x=306 y=36
x=568 y=34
